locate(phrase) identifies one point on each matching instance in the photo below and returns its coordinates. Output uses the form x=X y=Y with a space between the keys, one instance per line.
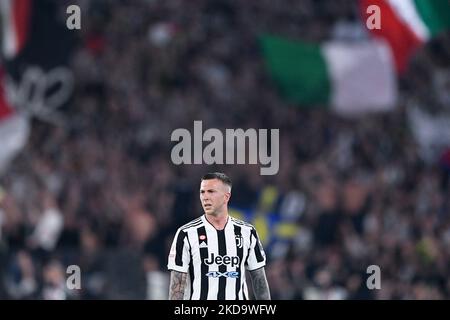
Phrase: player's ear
x=227 y=196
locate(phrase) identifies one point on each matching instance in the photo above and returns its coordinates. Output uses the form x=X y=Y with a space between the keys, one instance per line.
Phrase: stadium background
x=94 y=184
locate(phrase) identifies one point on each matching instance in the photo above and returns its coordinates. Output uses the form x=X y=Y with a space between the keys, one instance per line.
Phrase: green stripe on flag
x=298 y=68
x=435 y=14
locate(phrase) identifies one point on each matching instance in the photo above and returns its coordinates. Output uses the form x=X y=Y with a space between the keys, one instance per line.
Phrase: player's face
x=214 y=195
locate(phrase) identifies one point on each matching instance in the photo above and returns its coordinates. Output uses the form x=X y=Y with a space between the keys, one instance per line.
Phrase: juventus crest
x=238 y=241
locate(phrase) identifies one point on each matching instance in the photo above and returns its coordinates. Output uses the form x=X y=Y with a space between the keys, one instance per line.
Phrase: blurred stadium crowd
x=101 y=191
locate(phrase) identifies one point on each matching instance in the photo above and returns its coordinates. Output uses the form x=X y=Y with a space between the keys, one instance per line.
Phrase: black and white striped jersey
x=216 y=260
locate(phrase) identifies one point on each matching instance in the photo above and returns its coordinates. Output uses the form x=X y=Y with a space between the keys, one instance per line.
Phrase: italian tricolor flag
x=353 y=78
x=350 y=78
x=407 y=24
x=15 y=16
x=14 y=128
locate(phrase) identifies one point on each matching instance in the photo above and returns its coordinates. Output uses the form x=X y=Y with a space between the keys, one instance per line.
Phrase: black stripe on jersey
x=258 y=254
x=204 y=268
x=240 y=252
x=179 y=248
x=191 y=276
x=191 y=269
x=248 y=250
x=222 y=267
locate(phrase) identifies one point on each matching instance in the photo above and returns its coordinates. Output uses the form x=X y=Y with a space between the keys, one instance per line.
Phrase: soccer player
x=210 y=254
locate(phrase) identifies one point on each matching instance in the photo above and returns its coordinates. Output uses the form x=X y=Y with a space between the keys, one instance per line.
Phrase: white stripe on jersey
x=216 y=260
x=230 y=289
x=195 y=251
x=213 y=248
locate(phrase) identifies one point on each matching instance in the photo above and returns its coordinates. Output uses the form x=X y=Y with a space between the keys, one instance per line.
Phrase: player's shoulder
x=242 y=223
x=191 y=224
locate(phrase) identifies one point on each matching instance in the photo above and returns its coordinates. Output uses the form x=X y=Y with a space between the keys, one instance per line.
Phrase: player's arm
x=178 y=264
x=260 y=284
x=177 y=285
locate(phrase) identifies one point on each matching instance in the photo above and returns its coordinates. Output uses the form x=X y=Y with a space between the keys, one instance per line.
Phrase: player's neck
x=218 y=221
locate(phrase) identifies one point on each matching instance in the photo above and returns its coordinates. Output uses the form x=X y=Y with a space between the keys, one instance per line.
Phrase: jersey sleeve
x=179 y=255
x=256 y=257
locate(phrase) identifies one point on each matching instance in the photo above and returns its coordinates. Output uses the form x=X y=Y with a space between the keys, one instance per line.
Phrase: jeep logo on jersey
x=233 y=261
